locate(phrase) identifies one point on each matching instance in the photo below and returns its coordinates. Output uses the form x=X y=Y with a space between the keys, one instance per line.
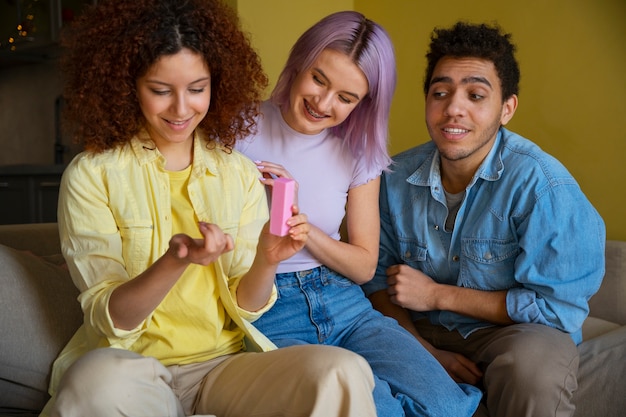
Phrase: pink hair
x=366 y=129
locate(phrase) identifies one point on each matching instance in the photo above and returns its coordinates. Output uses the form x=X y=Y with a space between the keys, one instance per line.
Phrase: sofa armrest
x=608 y=302
x=40 y=238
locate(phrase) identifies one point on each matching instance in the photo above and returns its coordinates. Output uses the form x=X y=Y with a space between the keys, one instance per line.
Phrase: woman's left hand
x=278 y=248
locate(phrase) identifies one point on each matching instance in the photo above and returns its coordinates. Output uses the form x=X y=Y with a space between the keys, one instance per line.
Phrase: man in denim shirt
x=489 y=249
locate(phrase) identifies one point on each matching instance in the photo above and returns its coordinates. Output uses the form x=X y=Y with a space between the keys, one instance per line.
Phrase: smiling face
x=174 y=97
x=325 y=94
x=464 y=109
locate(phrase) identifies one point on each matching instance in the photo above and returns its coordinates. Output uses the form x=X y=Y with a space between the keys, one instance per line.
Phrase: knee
x=329 y=363
x=107 y=371
x=108 y=381
x=100 y=367
x=539 y=361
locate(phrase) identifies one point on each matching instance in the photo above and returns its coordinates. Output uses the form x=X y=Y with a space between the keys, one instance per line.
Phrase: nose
x=179 y=104
x=455 y=105
x=324 y=102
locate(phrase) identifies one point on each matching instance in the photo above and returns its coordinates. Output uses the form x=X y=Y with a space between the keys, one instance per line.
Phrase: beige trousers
x=309 y=380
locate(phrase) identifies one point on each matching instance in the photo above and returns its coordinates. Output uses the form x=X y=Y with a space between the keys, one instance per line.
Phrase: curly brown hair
x=115 y=42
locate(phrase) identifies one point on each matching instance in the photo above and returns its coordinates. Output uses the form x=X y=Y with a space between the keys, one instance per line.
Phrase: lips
x=178 y=124
x=455 y=130
x=312 y=112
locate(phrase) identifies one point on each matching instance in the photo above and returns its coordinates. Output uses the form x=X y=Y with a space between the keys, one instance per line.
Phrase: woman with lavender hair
x=326 y=126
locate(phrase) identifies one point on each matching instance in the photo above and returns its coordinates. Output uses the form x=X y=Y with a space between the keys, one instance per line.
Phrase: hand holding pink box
x=283 y=192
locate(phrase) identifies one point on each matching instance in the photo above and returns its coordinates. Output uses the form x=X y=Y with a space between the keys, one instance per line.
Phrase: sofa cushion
x=601 y=376
x=594 y=327
x=40 y=313
x=608 y=303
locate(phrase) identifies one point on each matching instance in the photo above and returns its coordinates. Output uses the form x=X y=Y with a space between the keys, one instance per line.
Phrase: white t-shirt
x=323 y=166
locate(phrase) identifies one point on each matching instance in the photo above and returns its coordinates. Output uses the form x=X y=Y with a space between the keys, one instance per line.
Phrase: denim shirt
x=524 y=226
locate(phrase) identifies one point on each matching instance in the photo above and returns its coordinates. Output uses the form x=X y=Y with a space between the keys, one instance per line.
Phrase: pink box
x=283 y=193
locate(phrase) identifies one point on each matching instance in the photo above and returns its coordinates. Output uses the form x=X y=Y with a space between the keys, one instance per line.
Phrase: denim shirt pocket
x=415 y=255
x=488 y=264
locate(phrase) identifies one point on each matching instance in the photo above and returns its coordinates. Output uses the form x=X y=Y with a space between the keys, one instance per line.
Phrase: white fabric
x=323 y=166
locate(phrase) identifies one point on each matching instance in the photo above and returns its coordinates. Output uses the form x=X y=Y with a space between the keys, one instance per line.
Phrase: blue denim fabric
x=524 y=226
x=319 y=306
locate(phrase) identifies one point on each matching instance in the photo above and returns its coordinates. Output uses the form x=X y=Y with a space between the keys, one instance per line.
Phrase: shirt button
x=455 y=258
x=488 y=255
x=436 y=227
x=407 y=254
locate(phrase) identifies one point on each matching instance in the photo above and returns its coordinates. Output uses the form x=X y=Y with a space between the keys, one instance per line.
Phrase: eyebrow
x=466 y=80
x=167 y=84
x=356 y=96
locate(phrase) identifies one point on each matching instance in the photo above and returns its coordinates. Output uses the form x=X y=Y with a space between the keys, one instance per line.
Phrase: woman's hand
x=278 y=248
x=270 y=170
x=201 y=251
x=255 y=288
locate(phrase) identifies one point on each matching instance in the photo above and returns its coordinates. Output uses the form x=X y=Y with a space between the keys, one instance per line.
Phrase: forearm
x=482 y=305
x=256 y=286
x=352 y=261
x=133 y=301
x=381 y=302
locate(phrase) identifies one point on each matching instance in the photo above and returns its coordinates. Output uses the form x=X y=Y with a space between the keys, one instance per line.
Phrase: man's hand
x=414 y=290
x=410 y=288
x=460 y=368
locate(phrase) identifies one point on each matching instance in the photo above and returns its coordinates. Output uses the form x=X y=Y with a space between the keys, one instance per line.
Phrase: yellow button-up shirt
x=115 y=220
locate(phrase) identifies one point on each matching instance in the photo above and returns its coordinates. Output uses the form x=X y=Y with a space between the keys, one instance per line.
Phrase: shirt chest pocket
x=415 y=255
x=488 y=264
x=137 y=245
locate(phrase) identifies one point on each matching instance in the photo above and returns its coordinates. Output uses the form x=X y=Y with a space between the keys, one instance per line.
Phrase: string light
x=26 y=29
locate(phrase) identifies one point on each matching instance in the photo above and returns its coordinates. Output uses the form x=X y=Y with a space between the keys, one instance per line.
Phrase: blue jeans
x=319 y=306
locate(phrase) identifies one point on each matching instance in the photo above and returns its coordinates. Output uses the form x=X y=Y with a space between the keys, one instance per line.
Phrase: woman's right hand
x=270 y=170
x=201 y=251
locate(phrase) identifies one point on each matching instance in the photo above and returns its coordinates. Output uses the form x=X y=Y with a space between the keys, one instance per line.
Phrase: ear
x=508 y=109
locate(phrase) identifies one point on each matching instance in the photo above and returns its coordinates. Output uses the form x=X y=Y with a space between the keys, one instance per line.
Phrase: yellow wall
x=275 y=25
x=573 y=62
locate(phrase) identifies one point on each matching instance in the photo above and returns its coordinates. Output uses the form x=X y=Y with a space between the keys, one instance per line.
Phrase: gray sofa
x=39 y=313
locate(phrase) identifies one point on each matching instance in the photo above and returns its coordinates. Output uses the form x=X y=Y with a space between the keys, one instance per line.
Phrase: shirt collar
x=428 y=172
x=146 y=152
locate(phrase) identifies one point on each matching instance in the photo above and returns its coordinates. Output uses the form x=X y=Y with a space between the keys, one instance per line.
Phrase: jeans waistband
x=306 y=275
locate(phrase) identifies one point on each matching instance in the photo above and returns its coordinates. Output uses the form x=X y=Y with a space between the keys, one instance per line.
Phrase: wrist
x=441 y=295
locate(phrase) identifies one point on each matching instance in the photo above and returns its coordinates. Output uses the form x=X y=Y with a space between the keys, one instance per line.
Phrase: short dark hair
x=483 y=41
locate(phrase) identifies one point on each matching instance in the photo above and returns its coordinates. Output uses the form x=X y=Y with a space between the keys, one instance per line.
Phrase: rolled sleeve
x=561 y=264
x=251 y=316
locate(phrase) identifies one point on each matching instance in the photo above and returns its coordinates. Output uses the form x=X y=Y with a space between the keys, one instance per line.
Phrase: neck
x=455 y=176
x=178 y=156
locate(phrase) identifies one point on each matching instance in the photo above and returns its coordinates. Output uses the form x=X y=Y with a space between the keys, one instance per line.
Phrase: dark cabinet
x=29 y=194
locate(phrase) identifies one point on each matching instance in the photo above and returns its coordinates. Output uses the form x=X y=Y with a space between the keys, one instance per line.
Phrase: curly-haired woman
x=164 y=229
